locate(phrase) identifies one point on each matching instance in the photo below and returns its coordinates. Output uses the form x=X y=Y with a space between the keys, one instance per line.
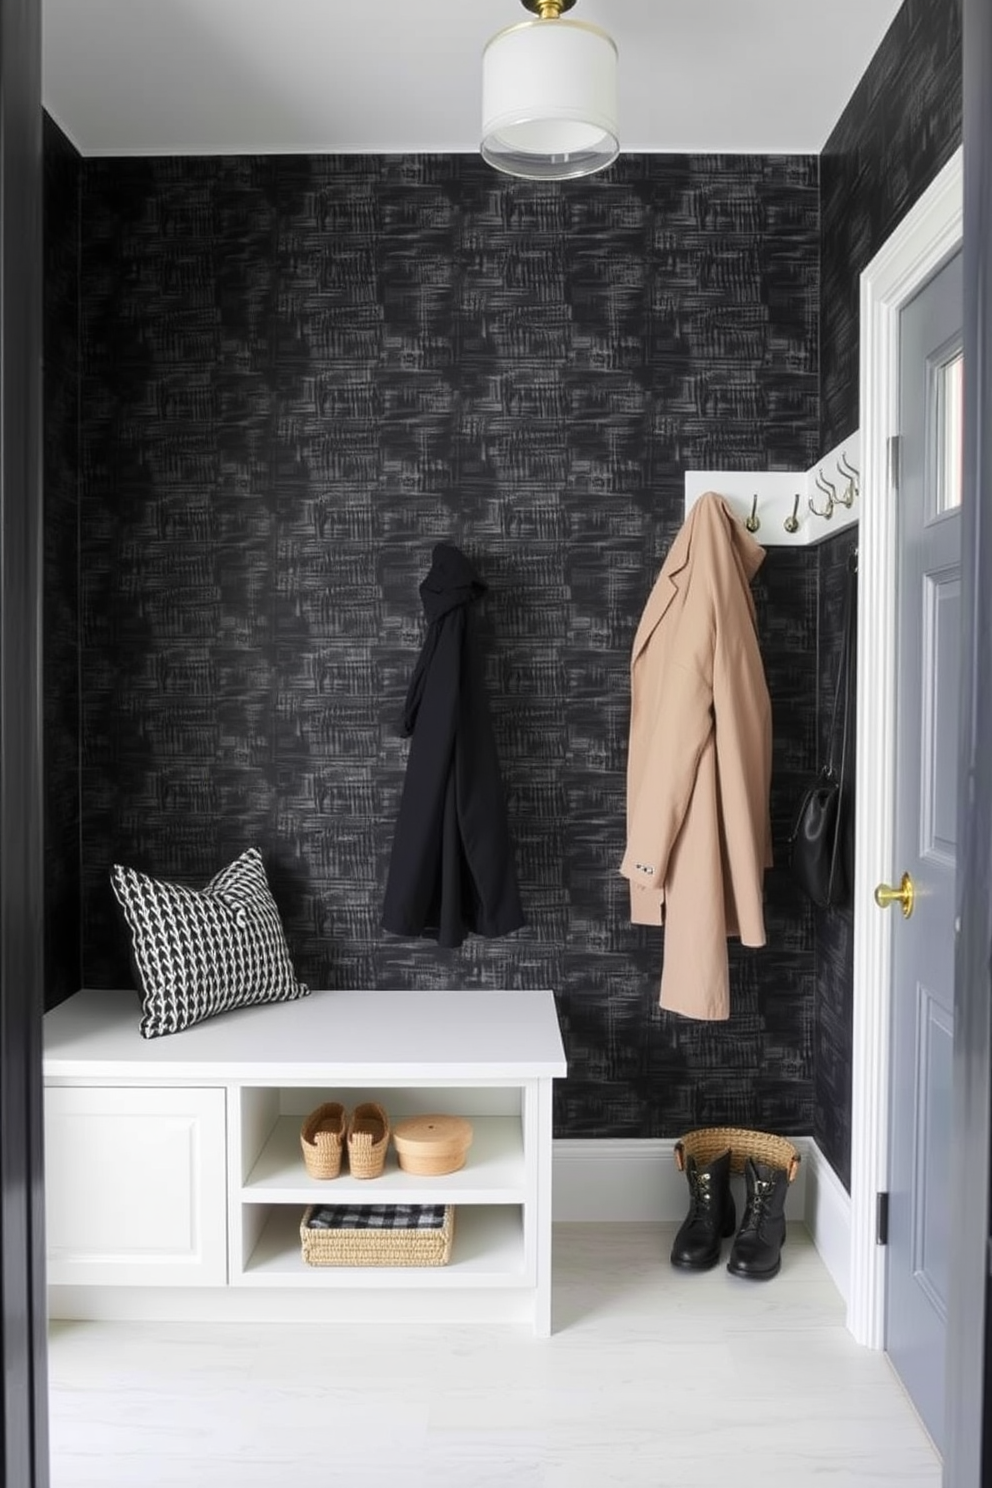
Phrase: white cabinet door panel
x=135 y=1186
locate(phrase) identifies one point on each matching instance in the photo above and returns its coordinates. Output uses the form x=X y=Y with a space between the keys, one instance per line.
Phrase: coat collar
x=710 y=518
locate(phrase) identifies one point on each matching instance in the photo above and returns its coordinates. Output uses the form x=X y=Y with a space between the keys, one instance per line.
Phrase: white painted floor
x=652 y=1379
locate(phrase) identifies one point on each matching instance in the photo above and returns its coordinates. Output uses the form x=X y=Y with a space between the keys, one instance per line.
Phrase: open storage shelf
x=494 y=1172
x=488 y=1250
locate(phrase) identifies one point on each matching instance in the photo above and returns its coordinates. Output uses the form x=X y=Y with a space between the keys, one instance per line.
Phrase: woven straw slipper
x=322 y=1140
x=368 y=1138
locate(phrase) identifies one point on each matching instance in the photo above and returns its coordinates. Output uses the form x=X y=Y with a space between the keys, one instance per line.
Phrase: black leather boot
x=711 y=1216
x=756 y=1251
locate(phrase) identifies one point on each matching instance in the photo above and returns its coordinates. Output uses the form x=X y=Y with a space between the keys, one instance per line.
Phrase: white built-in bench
x=175 y=1182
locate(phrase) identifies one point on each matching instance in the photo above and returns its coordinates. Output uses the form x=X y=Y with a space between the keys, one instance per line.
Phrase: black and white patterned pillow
x=197 y=952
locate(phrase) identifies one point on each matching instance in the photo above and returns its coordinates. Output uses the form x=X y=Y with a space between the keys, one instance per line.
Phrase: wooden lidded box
x=432 y=1145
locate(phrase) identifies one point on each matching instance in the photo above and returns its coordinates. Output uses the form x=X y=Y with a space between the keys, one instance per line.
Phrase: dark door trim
x=24 y=1407
x=967 y=1459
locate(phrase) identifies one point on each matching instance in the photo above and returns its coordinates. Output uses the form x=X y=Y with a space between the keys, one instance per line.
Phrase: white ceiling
x=163 y=77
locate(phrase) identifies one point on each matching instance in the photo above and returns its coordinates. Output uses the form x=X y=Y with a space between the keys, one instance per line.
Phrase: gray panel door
x=928 y=663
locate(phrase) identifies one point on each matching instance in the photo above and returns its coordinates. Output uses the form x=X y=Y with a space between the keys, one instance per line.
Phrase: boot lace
x=700 y=1198
x=759 y=1204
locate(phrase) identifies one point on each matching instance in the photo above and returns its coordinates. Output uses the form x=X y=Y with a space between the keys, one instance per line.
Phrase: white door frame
x=925 y=239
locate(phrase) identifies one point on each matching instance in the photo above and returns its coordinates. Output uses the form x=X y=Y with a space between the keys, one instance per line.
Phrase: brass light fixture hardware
x=905 y=895
x=548 y=10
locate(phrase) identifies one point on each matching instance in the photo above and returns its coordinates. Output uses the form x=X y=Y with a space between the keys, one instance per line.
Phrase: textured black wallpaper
x=298 y=374
x=902 y=124
x=61 y=564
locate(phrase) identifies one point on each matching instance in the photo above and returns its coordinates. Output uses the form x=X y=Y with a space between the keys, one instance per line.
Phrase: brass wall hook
x=851 y=490
x=791 y=524
x=753 y=522
x=826 y=486
x=829 y=490
x=846 y=497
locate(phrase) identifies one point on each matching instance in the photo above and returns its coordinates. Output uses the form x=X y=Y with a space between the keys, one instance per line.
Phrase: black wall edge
x=60 y=618
x=967 y=1458
x=23 y=1404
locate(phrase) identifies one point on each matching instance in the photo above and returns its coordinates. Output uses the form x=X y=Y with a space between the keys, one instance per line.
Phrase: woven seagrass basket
x=348 y=1246
x=709 y=1141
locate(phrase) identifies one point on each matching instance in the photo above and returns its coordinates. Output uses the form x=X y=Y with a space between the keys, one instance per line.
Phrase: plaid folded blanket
x=377 y=1217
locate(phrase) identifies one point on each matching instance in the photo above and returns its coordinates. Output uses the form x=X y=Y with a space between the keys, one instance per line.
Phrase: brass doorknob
x=905 y=895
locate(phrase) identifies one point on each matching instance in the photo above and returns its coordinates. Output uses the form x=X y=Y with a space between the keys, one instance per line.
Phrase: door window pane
x=949 y=400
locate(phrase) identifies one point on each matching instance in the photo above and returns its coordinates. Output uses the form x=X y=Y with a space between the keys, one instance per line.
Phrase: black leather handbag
x=819 y=844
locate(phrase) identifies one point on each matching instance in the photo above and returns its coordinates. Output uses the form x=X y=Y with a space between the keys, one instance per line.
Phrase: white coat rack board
x=790 y=508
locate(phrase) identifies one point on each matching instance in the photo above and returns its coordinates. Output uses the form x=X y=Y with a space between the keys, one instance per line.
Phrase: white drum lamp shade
x=549 y=100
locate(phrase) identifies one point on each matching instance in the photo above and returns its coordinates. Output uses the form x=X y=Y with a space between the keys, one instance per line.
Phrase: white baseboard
x=627 y=1179
x=828 y=1218
x=616 y=1178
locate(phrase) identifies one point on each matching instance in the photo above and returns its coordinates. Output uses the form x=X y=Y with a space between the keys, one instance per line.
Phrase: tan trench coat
x=699 y=767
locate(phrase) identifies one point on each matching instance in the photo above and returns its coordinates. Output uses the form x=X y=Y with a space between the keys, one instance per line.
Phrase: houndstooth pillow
x=197 y=952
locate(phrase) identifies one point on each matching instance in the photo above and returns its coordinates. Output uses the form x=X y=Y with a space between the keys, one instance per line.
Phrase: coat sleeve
x=678 y=733
x=495 y=908
x=743 y=738
x=413 y=883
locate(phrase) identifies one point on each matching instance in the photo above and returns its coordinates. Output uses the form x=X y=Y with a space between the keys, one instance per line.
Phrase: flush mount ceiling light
x=549 y=96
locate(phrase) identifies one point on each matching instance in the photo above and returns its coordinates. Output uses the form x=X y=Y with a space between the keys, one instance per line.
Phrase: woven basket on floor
x=346 y=1245
x=709 y=1141
x=322 y=1140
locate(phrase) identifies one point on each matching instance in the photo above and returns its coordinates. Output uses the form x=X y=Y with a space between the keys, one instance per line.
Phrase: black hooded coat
x=451 y=872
